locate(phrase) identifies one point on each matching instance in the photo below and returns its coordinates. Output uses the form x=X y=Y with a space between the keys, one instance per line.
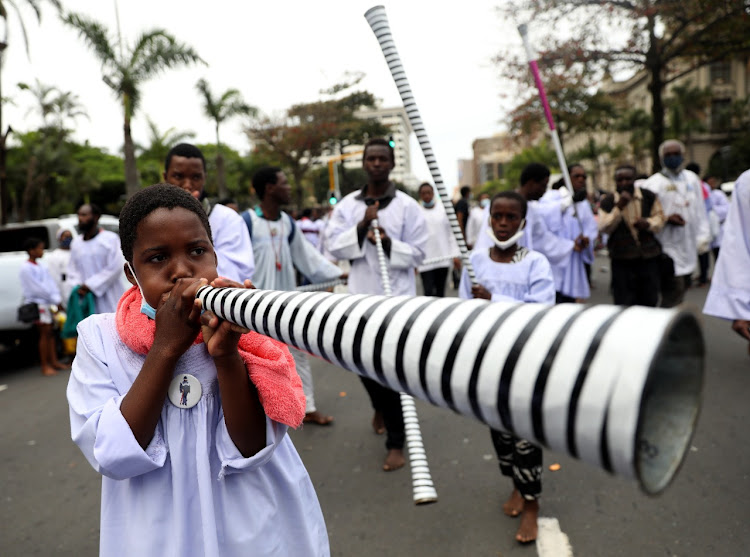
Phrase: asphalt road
x=50 y=495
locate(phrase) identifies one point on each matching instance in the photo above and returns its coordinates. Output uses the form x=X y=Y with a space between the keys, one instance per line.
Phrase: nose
x=181 y=268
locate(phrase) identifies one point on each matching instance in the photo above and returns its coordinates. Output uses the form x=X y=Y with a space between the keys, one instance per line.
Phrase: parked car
x=12 y=255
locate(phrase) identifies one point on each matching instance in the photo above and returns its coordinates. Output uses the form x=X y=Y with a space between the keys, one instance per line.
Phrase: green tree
x=667 y=40
x=220 y=109
x=35 y=5
x=541 y=152
x=307 y=131
x=151 y=157
x=126 y=67
x=686 y=108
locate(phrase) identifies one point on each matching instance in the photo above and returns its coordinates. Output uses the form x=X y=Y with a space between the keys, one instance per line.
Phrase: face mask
x=146 y=308
x=505 y=244
x=673 y=162
x=65 y=244
x=484 y=203
x=428 y=205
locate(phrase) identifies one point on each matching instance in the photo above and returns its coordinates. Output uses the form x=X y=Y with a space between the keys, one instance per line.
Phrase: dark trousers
x=388 y=403
x=703 y=265
x=635 y=282
x=433 y=282
x=520 y=460
x=561 y=298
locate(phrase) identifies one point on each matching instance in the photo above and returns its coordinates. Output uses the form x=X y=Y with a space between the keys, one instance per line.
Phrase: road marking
x=550 y=540
x=3 y=387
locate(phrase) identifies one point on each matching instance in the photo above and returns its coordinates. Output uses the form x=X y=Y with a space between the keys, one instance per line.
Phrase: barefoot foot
x=49 y=371
x=527 y=530
x=317 y=418
x=378 y=423
x=61 y=366
x=514 y=505
x=394 y=460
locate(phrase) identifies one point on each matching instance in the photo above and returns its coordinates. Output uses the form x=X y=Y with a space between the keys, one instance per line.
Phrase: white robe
x=271 y=238
x=402 y=220
x=57 y=262
x=541 y=222
x=441 y=241
x=529 y=279
x=729 y=296
x=570 y=276
x=37 y=284
x=681 y=194
x=231 y=244
x=98 y=263
x=720 y=207
x=474 y=225
x=190 y=492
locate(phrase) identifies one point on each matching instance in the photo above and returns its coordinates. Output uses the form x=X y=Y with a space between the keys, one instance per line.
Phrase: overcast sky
x=276 y=54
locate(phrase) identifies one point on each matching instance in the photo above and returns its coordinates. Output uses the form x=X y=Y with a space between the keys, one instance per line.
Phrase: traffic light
x=332 y=199
x=391 y=142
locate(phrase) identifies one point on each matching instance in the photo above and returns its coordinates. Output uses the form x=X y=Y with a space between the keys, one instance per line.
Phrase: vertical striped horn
x=379 y=23
x=616 y=387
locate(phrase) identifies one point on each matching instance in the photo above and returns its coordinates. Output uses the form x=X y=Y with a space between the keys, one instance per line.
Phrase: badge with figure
x=185 y=391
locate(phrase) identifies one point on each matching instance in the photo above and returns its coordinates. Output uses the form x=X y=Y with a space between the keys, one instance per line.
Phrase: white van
x=12 y=255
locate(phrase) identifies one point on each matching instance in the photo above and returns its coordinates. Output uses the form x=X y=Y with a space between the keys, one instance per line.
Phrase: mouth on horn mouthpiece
x=670 y=404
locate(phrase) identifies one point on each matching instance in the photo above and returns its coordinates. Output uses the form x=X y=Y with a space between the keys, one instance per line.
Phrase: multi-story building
x=490 y=156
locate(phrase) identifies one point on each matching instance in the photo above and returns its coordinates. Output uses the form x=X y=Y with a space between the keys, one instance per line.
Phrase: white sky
x=277 y=54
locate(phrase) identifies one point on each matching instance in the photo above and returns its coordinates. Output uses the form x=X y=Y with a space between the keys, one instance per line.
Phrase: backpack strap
x=293 y=228
x=248 y=222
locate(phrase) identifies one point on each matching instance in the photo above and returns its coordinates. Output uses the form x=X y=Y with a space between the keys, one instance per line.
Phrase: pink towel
x=269 y=363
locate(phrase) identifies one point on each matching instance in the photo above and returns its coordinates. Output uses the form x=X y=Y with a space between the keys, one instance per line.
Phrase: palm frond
x=210 y=108
x=95 y=35
x=157 y=50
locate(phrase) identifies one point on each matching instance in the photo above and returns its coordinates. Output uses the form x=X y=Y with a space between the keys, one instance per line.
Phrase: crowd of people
x=534 y=244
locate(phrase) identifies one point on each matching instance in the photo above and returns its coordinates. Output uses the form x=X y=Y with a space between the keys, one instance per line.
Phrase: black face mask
x=579 y=195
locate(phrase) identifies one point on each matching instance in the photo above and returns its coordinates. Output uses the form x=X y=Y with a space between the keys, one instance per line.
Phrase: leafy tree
x=220 y=109
x=300 y=137
x=151 y=158
x=126 y=67
x=4 y=5
x=541 y=152
x=594 y=152
x=667 y=40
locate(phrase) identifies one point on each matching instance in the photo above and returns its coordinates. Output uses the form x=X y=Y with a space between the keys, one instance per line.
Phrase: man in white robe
x=404 y=236
x=185 y=167
x=686 y=232
x=96 y=263
x=729 y=297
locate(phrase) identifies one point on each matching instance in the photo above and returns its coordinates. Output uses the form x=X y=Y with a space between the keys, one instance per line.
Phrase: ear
x=164 y=175
x=129 y=275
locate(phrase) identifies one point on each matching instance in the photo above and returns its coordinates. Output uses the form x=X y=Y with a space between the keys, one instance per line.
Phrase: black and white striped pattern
x=379 y=23
x=616 y=387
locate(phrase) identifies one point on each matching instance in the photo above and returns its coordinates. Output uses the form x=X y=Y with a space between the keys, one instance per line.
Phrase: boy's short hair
x=514 y=196
x=31 y=243
x=186 y=150
x=263 y=177
x=148 y=200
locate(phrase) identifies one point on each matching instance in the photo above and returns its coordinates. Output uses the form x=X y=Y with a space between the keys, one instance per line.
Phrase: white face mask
x=505 y=244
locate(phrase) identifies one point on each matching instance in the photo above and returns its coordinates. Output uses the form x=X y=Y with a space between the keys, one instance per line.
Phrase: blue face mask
x=673 y=162
x=428 y=205
x=65 y=243
x=484 y=203
x=146 y=308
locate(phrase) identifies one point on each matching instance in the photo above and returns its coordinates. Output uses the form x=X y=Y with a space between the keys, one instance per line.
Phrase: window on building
x=500 y=171
x=721 y=72
x=489 y=172
x=720 y=115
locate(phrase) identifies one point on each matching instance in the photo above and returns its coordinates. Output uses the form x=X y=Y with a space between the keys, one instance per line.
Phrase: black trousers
x=433 y=282
x=520 y=460
x=636 y=282
x=388 y=403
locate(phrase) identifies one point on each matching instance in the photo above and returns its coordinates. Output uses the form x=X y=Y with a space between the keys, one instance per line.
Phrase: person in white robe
x=729 y=296
x=185 y=167
x=404 y=236
x=476 y=218
x=441 y=244
x=508 y=272
x=578 y=223
x=542 y=220
x=278 y=248
x=720 y=210
x=96 y=263
x=686 y=232
x=58 y=261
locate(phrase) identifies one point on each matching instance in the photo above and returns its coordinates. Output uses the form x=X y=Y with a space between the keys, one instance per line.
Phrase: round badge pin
x=185 y=391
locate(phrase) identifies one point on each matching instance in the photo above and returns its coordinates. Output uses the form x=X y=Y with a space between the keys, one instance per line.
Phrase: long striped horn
x=615 y=387
x=379 y=23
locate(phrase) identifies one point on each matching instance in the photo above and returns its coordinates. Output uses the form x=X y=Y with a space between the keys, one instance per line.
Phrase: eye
x=158 y=258
x=198 y=251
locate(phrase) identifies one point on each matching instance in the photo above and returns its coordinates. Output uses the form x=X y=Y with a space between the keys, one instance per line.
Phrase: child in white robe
x=507 y=272
x=205 y=469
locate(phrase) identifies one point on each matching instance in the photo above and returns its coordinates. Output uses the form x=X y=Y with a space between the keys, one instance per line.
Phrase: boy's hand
x=221 y=337
x=177 y=322
x=479 y=291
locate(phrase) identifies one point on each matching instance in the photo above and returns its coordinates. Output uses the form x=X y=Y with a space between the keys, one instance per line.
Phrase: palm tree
x=126 y=67
x=220 y=109
x=4 y=4
x=151 y=156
